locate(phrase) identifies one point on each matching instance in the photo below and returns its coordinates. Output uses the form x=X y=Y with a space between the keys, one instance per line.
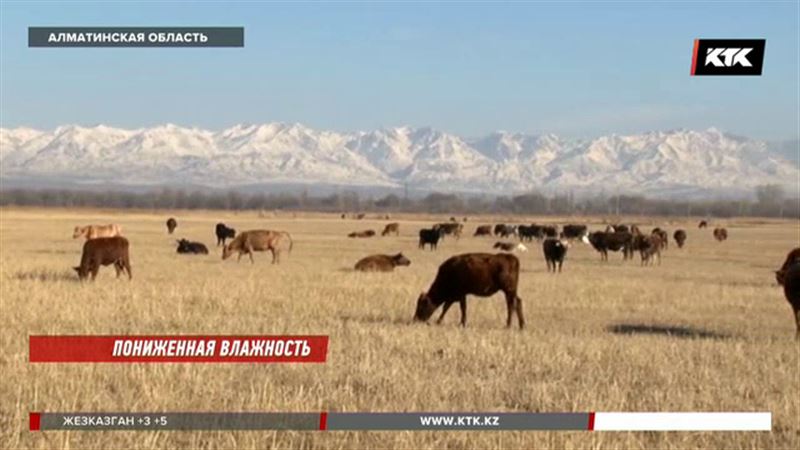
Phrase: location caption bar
x=135 y=37
x=332 y=421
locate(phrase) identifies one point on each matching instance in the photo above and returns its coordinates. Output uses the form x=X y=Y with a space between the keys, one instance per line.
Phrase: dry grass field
x=738 y=354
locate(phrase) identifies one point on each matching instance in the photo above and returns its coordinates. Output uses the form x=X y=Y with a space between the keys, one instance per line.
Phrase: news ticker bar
x=333 y=421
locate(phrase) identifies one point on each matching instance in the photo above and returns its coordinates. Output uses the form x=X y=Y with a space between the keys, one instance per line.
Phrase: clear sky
x=577 y=69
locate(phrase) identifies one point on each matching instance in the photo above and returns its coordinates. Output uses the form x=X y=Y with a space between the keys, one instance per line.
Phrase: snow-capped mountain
x=661 y=163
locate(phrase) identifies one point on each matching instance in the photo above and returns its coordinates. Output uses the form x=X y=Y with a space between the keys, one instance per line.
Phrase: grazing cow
x=504 y=230
x=362 y=234
x=197 y=248
x=223 y=233
x=505 y=246
x=104 y=251
x=663 y=236
x=453 y=228
x=258 y=241
x=391 y=228
x=720 y=234
x=680 y=237
x=550 y=231
x=97 y=231
x=554 y=252
x=171 y=225
x=480 y=274
x=483 y=230
x=529 y=232
x=573 y=231
x=429 y=236
x=702 y=224
x=650 y=248
x=382 y=263
x=789 y=277
x=603 y=241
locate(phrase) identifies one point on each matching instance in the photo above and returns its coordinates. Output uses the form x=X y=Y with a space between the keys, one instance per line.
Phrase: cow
x=529 y=232
x=483 y=230
x=504 y=230
x=788 y=276
x=680 y=237
x=381 y=263
x=549 y=231
x=663 y=236
x=453 y=228
x=223 y=233
x=573 y=231
x=171 y=225
x=603 y=241
x=481 y=274
x=505 y=246
x=197 y=248
x=360 y=216
x=619 y=228
x=362 y=234
x=554 y=252
x=104 y=251
x=258 y=241
x=720 y=234
x=635 y=230
x=702 y=224
x=391 y=228
x=97 y=231
x=650 y=248
x=429 y=236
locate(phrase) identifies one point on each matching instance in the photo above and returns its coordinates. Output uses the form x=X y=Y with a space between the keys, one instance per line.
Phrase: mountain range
x=665 y=164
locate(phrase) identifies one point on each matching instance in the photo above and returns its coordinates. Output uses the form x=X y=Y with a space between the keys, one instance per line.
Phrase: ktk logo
x=728 y=56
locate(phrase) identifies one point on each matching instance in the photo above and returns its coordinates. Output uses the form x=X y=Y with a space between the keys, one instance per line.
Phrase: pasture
x=708 y=330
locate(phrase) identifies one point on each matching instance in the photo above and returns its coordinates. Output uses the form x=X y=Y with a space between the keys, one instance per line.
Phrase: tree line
x=767 y=201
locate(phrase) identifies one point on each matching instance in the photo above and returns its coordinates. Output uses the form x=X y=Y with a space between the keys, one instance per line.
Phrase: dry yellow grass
x=565 y=360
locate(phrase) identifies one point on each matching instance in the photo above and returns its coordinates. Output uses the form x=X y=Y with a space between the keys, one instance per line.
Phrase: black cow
x=573 y=231
x=603 y=241
x=223 y=232
x=680 y=237
x=504 y=230
x=197 y=248
x=550 y=231
x=554 y=252
x=429 y=236
x=530 y=232
x=171 y=225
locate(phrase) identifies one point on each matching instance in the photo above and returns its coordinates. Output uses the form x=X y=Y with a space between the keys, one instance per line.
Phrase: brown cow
x=483 y=230
x=664 y=237
x=720 y=234
x=97 y=231
x=391 y=228
x=650 y=248
x=480 y=274
x=680 y=237
x=104 y=251
x=382 y=263
x=702 y=224
x=258 y=241
x=171 y=225
x=362 y=234
x=789 y=277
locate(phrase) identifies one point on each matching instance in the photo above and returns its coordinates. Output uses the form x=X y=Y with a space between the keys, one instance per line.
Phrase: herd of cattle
x=480 y=274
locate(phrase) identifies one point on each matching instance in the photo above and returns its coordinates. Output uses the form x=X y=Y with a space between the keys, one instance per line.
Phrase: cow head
x=227 y=251
x=400 y=260
x=780 y=276
x=82 y=272
x=425 y=308
x=78 y=232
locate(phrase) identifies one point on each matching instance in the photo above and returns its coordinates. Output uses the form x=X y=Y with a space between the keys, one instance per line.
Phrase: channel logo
x=728 y=56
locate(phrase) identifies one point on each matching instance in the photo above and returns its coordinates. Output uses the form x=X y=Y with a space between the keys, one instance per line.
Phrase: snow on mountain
x=659 y=163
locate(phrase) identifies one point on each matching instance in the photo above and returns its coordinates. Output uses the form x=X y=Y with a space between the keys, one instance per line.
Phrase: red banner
x=182 y=349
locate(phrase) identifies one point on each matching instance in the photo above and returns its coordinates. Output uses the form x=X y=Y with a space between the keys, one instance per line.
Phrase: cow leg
x=463 y=303
x=250 y=254
x=446 y=306
x=559 y=266
x=797 y=321
x=128 y=268
x=95 y=269
x=117 y=267
x=520 y=317
x=511 y=306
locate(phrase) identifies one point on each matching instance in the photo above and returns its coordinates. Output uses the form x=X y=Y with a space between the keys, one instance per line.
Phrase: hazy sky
x=577 y=69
